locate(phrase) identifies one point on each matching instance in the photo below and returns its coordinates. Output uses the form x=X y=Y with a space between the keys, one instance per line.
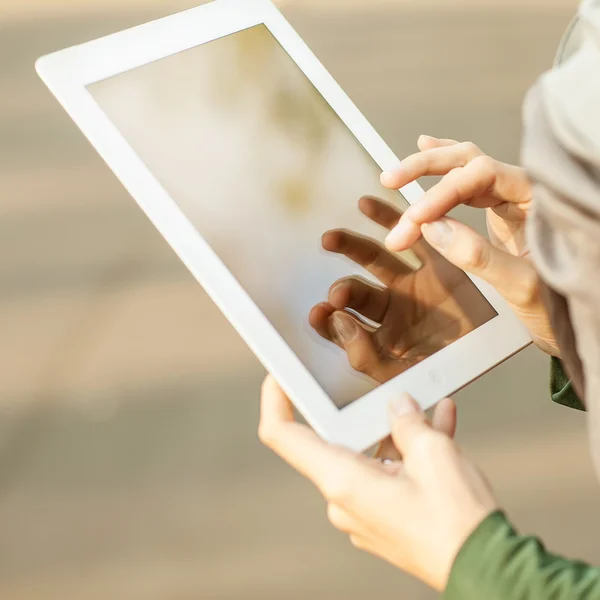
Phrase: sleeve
x=561 y=153
x=561 y=389
x=496 y=563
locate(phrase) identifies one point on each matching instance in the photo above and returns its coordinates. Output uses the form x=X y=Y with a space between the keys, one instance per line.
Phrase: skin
x=417 y=511
x=417 y=312
x=399 y=512
x=472 y=178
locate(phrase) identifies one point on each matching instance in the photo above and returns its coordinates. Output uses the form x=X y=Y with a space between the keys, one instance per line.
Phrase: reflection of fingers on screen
x=261 y=165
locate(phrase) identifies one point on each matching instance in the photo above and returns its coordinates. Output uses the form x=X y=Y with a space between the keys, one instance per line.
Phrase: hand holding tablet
x=250 y=160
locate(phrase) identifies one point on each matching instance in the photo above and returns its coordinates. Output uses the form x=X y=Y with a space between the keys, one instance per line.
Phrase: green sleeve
x=561 y=389
x=496 y=563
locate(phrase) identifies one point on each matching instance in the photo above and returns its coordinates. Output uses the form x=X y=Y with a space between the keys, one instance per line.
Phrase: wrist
x=473 y=553
x=466 y=529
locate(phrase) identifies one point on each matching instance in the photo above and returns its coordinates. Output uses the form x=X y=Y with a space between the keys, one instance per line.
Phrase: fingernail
x=344 y=327
x=388 y=178
x=427 y=138
x=396 y=239
x=405 y=405
x=438 y=233
x=336 y=286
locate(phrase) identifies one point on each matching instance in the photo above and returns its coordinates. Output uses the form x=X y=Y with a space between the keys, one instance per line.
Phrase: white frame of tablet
x=363 y=423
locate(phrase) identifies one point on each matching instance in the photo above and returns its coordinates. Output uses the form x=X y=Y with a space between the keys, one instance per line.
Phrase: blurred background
x=129 y=465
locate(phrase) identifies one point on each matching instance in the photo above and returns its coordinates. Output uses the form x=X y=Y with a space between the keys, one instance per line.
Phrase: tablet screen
x=291 y=203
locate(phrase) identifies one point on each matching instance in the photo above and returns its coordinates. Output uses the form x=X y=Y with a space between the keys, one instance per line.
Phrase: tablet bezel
x=361 y=424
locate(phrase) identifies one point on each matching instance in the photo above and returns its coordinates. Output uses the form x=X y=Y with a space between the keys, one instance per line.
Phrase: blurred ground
x=129 y=467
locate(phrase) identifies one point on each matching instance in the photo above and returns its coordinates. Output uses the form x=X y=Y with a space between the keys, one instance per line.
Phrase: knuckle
x=266 y=435
x=339 y=490
x=372 y=257
x=454 y=183
x=470 y=149
x=419 y=164
x=357 y=542
x=336 y=517
x=412 y=164
x=425 y=161
x=333 y=514
x=485 y=164
x=455 y=174
x=527 y=293
x=478 y=253
x=361 y=362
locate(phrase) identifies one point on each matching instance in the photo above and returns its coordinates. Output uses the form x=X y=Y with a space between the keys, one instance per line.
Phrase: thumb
x=471 y=252
x=358 y=344
x=408 y=423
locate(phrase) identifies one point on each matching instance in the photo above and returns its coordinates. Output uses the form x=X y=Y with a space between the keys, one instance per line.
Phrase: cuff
x=496 y=563
x=470 y=570
x=561 y=390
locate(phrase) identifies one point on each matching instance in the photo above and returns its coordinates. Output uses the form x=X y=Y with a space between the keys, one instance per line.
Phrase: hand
x=474 y=179
x=417 y=312
x=416 y=514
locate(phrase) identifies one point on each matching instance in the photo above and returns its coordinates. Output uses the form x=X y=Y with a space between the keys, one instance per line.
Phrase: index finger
x=437 y=161
x=482 y=183
x=367 y=253
x=379 y=211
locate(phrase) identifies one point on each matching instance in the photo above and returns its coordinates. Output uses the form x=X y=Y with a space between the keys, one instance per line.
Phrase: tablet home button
x=436 y=377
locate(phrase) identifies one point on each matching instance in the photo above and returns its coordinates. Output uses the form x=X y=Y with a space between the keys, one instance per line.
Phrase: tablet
x=263 y=176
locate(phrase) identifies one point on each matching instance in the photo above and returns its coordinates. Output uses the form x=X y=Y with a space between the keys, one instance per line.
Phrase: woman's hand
x=474 y=179
x=417 y=312
x=415 y=513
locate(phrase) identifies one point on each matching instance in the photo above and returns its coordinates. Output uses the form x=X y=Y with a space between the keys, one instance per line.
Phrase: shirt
x=562 y=155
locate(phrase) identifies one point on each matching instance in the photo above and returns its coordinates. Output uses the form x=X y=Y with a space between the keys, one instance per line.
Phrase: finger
x=482 y=183
x=360 y=295
x=294 y=442
x=444 y=420
x=359 y=542
x=512 y=276
x=437 y=161
x=318 y=319
x=458 y=187
x=367 y=253
x=445 y=417
x=379 y=211
x=276 y=408
x=341 y=520
x=427 y=142
x=387 y=216
x=358 y=343
x=336 y=472
x=409 y=424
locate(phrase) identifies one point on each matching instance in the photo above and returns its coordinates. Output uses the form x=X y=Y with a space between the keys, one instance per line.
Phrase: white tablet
x=251 y=162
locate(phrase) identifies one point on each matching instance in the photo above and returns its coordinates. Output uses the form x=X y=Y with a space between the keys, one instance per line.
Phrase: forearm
x=498 y=564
